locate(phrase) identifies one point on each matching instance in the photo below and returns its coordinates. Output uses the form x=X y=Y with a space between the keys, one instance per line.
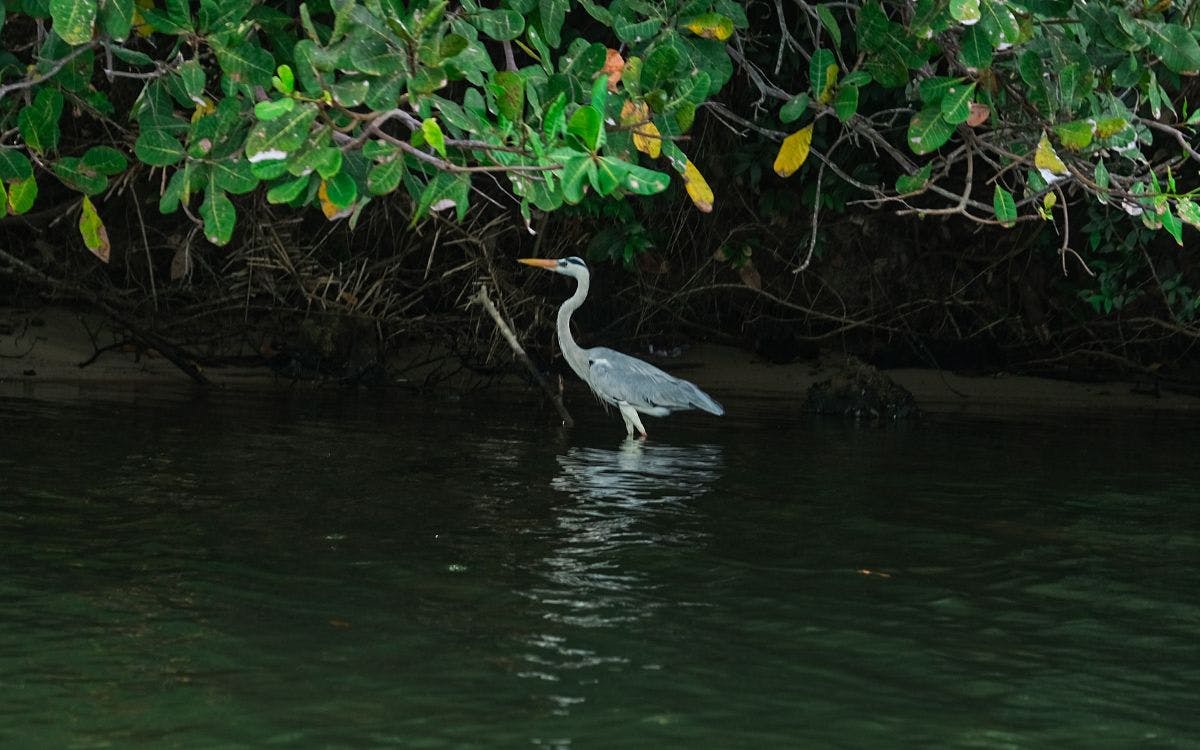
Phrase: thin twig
x=481 y=297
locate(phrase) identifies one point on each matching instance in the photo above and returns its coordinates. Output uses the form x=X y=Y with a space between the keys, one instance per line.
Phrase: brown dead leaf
x=181 y=263
x=979 y=114
x=750 y=275
x=614 y=65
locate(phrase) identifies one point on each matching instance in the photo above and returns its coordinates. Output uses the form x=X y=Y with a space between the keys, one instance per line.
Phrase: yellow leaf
x=633 y=112
x=1046 y=158
x=329 y=208
x=711 y=26
x=648 y=140
x=95 y=236
x=140 y=25
x=831 y=73
x=697 y=188
x=793 y=152
x=204 y=108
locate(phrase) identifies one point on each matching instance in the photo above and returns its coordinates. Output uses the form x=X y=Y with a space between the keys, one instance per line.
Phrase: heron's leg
x=632 y=419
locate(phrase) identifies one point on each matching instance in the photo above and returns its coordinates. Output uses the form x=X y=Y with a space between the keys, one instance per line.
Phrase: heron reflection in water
x=635 y=497
x=625 y=514
x=626 y=382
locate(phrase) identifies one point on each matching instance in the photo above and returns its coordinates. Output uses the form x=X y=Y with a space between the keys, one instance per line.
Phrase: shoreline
x=41 y=350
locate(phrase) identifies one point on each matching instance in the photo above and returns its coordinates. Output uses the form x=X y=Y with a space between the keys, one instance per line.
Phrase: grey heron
x=626 y=382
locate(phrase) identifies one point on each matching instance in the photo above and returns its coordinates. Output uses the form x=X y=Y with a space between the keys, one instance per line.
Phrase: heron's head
x=573 y=266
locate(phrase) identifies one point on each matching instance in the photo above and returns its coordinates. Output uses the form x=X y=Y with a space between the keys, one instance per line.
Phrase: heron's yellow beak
x=539 y=262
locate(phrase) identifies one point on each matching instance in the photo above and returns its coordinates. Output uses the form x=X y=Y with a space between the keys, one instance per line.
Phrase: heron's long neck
x=575 y=355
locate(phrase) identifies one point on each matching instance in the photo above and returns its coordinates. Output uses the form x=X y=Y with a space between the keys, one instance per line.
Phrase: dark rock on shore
x=860 y=390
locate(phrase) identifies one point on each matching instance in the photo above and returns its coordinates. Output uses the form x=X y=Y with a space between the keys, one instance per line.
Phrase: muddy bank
x=64 y=348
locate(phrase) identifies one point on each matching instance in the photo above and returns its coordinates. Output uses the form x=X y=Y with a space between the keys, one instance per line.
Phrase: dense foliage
x=997 y=112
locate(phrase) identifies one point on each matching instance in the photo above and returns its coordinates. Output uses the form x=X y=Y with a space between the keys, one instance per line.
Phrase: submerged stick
x=483 y=299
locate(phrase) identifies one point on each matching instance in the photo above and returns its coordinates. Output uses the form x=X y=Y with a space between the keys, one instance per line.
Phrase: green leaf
x=1076 y=135
x=1004 y=206
x=280 y=137
x=685 y=116
x=976 y=49
x=574 y=177
x=133 y=57
x=822 y=74
x=794 y=108
x=14 y=165
x=965 y=12
x=659 y=67
x=284 y=80
x=193 y=79
x=164 y=23
x=639 y=180
x=384 y=178
x=510 y=94
x=246 y=63
x=216 y=15
x=552 y=14
x=605 y=177
x=168 y=202
x=1186 y=209
x=233 y=176
x=218 y=214
x=1175 y=45
x=77 y=176
x=1102 y=177
x=928 y=131
x=350 y=92
x=116 y=19
x=73 y=19
x=341 y=190
x=288 y=190
x=105 y=160
x=326 y=160
x=38 y=122
x=273 y=109
x=845 y=104
x=555 y=121
x=631 y=32
x=932 y=90
x=911 y=183
x=999 y=23
x=956 y=104
x=501 y=25
x=434 y=136
x=156 y=147
x=587 y=124
x=444 y=191
x=830 y=24
x=1173 y=226
x=22 y=193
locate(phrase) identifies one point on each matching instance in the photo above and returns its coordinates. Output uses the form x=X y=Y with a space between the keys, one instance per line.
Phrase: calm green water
x=368 y=572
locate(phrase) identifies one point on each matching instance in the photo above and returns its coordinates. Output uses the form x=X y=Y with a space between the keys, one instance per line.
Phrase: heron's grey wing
x=620 y=377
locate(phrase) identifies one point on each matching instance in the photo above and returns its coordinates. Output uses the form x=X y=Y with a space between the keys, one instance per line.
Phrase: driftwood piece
x=485 y=301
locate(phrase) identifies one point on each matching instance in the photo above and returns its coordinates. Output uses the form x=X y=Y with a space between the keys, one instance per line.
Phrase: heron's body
x=633 y=386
